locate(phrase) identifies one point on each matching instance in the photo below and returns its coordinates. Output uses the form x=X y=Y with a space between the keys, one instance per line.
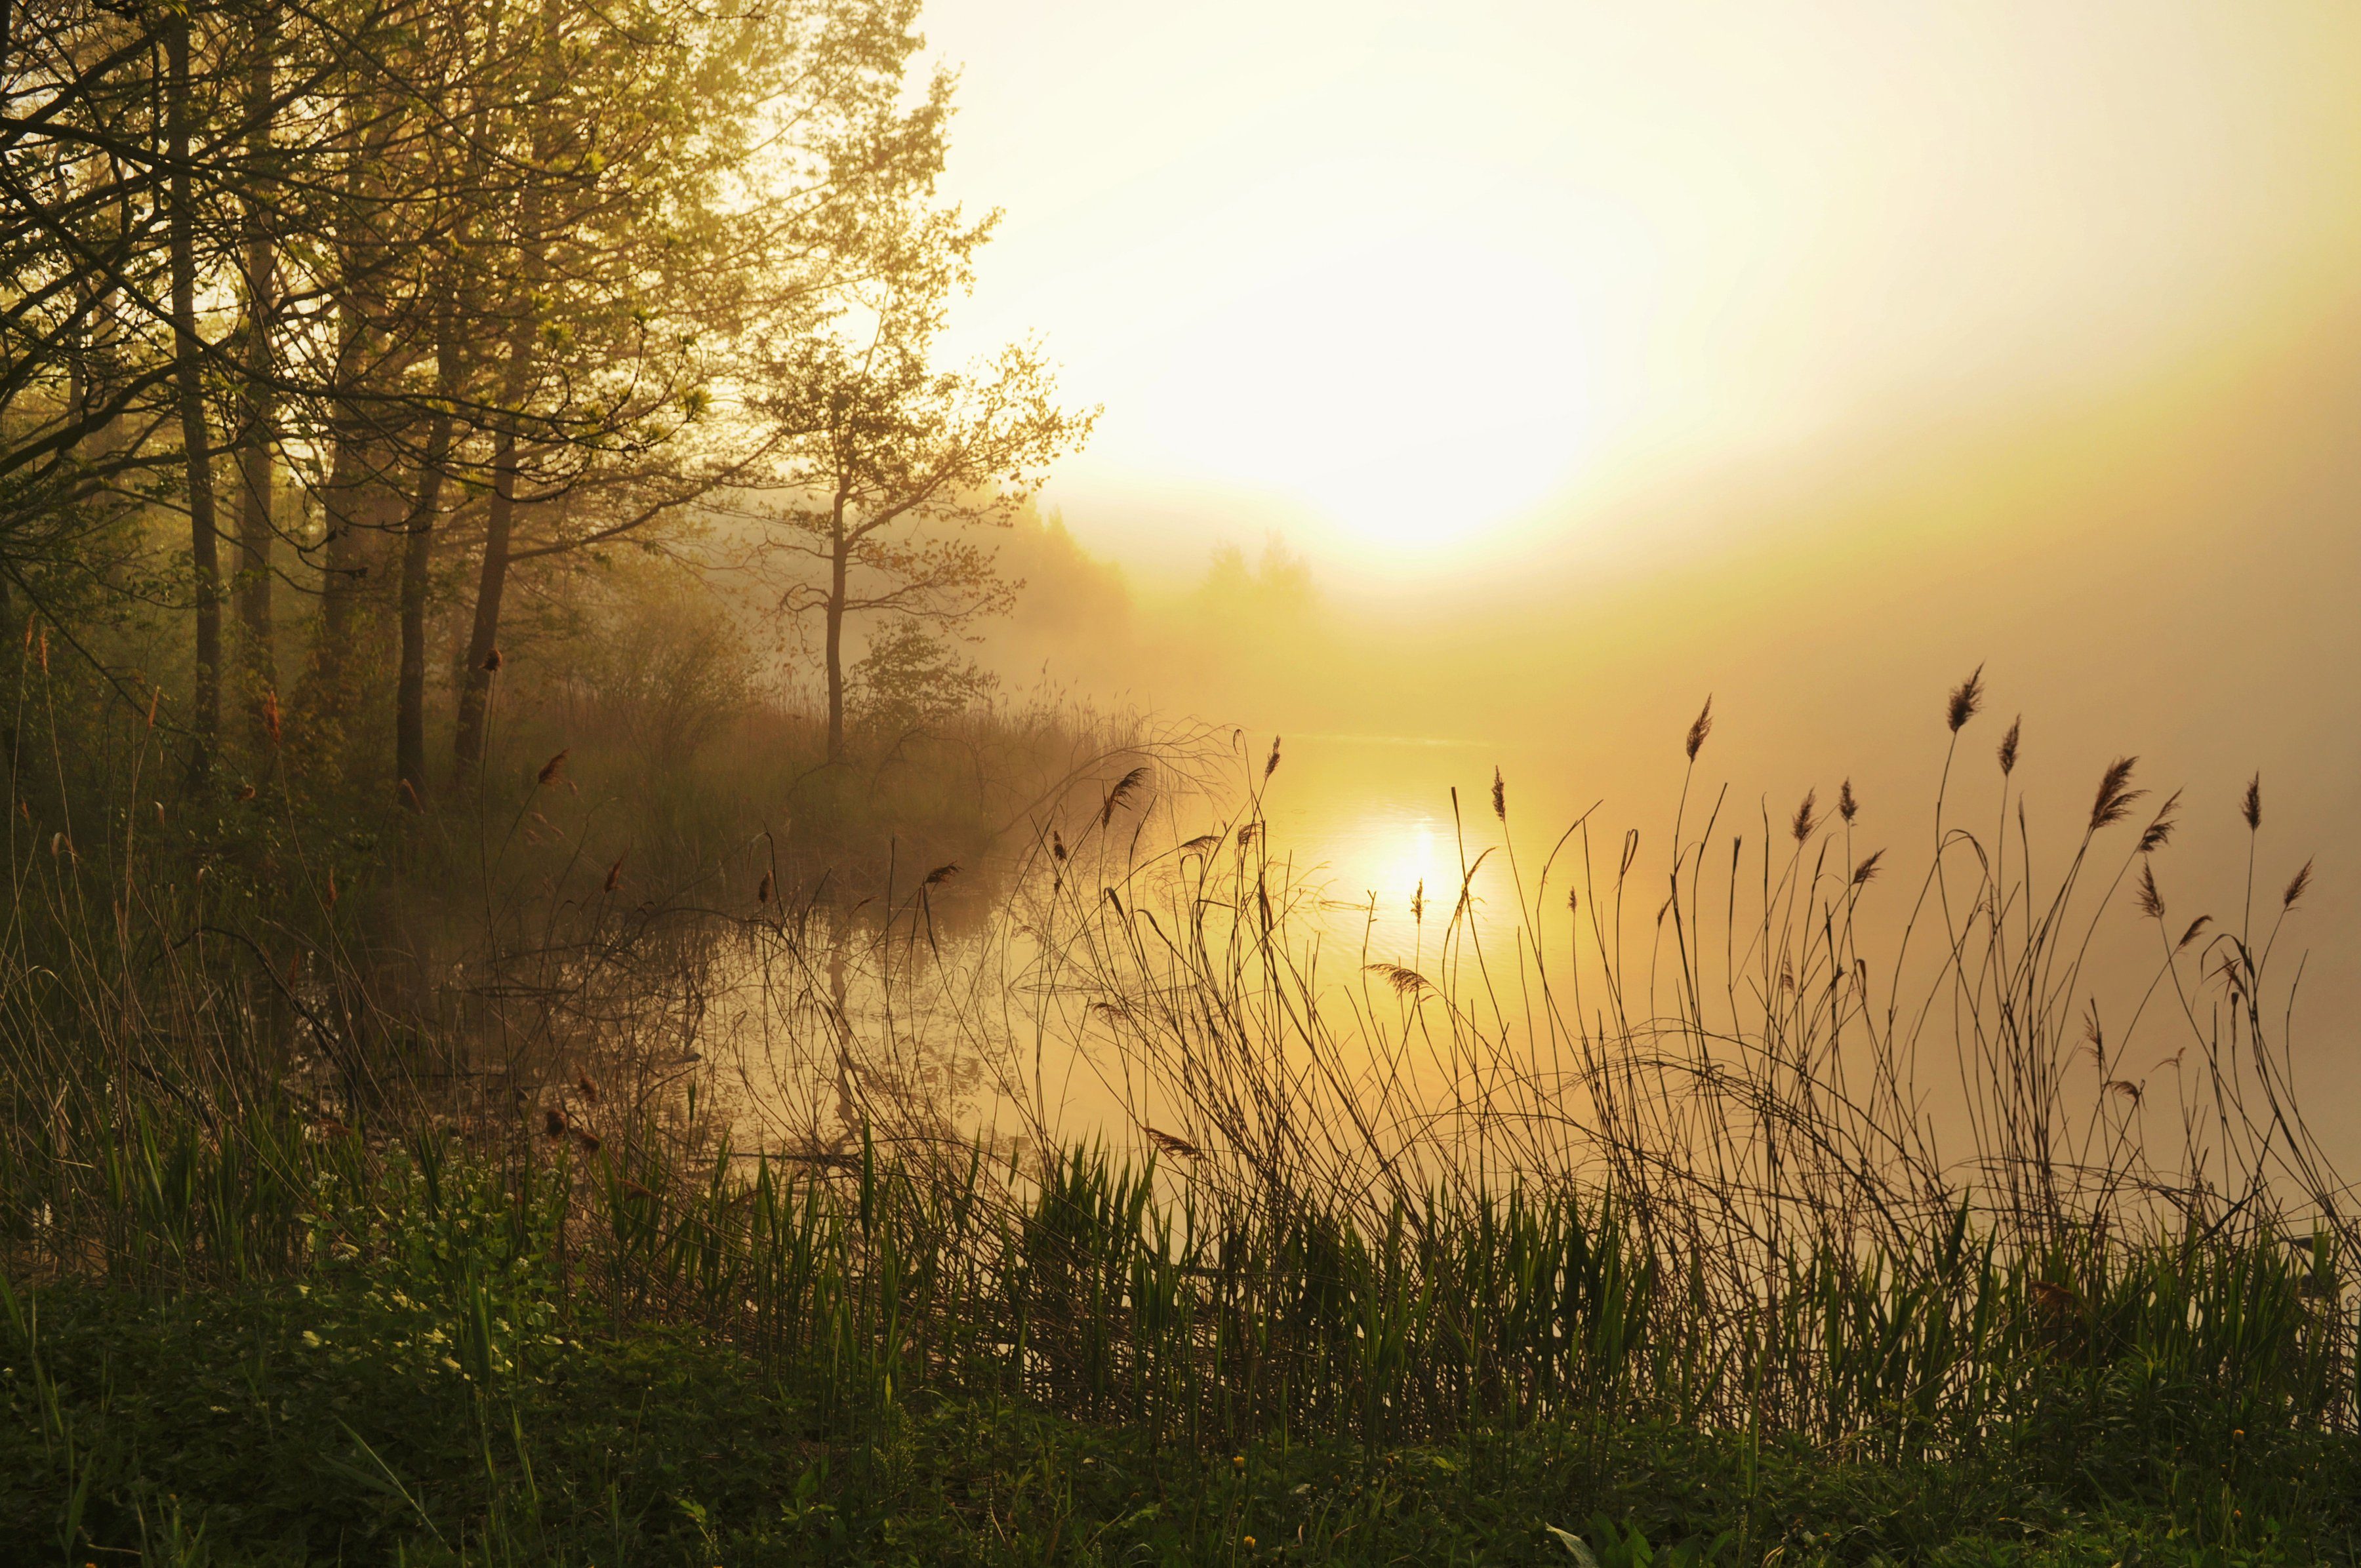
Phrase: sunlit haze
x=1597 y=357
x=1246 y=782
x=1401 y=279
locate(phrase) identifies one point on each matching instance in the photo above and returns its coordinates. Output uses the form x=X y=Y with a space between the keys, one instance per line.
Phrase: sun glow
x=1419 y=284
x=1414 y=390
x=1401 y=857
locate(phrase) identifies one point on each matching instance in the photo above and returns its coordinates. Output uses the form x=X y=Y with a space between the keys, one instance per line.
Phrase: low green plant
x=452 y=1298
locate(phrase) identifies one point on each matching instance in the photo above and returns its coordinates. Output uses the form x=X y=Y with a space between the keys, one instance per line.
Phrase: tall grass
x=1666 y=1147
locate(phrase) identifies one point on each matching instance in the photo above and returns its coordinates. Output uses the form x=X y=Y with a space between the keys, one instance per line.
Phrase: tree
x=473 y=286
x=188 y=369
x=910 y=678
x=146 y=213
x=86 y=364
x=685 y=180
x=892 y=465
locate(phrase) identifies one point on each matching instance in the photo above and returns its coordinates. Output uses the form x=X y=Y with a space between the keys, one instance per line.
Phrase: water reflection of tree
x=800 y=998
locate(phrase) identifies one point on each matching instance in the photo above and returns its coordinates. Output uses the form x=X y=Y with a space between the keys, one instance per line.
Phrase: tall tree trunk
x=101 y=333
x=499 y=511
x=417 y=554
x=491 y=584
x=341 y=561
x=836 y=589
x=256 y=529
x=196 y=446
x=357 y=494
x=365 y=503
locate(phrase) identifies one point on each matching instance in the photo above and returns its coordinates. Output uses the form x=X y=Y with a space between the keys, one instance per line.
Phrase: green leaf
x=1573 y=1546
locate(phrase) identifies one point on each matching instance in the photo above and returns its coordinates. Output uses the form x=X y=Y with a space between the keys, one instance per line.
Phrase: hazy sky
x=1399 y=277
x=1605 y=356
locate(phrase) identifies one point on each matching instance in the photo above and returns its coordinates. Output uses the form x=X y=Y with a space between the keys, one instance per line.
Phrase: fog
x=2162 y=568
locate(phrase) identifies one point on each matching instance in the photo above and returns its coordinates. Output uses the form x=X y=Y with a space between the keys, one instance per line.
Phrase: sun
x=1416 y=392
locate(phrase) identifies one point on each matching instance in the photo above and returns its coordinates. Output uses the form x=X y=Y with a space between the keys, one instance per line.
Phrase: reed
x=1654 y=1153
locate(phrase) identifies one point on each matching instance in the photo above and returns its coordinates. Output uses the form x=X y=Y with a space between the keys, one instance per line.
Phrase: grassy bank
x=424 y=1357
x=1584 y=1237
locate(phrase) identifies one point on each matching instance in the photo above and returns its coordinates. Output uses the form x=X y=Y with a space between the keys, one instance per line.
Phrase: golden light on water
x=1519 y=825
x=1598 y=358
x=1393 y=852
x=1398 y=857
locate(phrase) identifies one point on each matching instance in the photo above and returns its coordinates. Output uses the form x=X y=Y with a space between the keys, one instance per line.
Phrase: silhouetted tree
x=891 y=465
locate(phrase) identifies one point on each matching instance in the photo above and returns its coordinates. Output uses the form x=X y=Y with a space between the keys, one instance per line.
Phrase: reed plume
x=1124 y=788
x=1698 y=731
x=1966 y=698
x=2115 y=794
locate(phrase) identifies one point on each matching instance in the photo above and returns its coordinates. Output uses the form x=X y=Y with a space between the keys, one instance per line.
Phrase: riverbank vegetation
x=573 y=1253
x=551 y=1010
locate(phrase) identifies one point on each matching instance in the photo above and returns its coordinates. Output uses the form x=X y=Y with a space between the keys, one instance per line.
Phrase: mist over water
x=2161 y=568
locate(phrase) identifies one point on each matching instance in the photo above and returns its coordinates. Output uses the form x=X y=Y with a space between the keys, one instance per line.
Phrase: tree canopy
x=327 y=327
